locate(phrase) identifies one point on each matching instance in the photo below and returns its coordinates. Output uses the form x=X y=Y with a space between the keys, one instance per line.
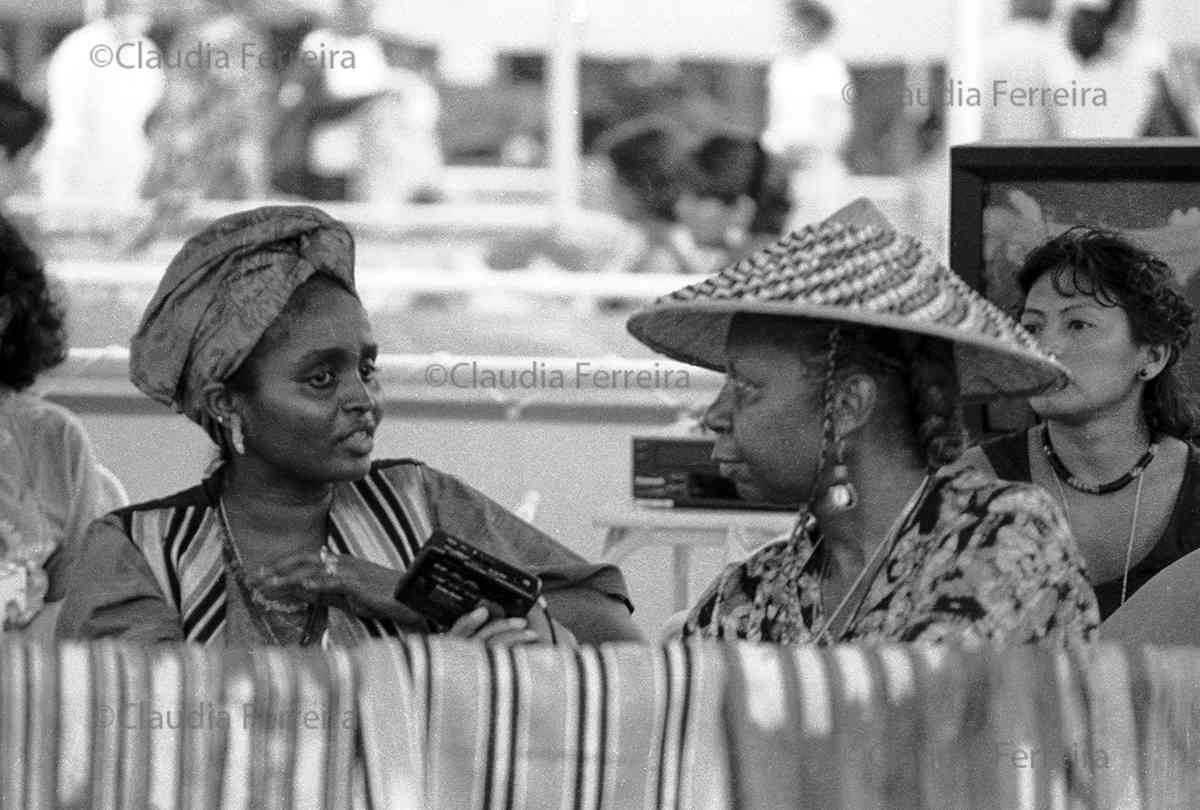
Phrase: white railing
x=510 y=387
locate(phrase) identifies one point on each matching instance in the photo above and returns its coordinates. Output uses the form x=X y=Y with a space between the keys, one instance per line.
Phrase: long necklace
x=872 y=566
x=1137 y=503
x=1064 y=474
x=255 y=601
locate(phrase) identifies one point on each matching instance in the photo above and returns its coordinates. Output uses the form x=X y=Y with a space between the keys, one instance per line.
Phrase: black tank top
x=1009 y=457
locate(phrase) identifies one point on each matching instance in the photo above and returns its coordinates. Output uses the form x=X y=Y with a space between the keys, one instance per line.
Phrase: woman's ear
x=1154 y=360
x=854 y=403
x=220 y=402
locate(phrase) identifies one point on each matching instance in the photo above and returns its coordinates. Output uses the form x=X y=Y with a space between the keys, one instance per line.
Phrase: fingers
x=479 y=626
x=469 y=623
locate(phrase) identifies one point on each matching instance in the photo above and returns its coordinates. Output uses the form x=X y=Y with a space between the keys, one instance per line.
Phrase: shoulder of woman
x=984 y=494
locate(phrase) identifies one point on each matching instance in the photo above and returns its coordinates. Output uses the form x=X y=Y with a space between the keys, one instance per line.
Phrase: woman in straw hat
x=257 y=334
x=845 y=348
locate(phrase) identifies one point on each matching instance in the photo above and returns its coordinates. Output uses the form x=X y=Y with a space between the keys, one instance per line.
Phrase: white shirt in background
x=1018 y=55
x=337 y=147
x=1126 y=70
x=96 y=145
x=809 y=112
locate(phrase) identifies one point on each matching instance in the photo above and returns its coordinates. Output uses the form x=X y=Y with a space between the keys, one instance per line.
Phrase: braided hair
x=923 y=367
x=1117 y=273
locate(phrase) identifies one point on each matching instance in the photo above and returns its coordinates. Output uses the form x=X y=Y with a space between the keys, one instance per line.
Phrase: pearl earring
x=235 y=431
x=841 y=495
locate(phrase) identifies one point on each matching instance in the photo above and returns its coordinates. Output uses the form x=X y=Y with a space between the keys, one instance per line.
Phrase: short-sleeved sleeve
x=93 y=491
x=588 y=598
x=113 y=593
x=1003 y=568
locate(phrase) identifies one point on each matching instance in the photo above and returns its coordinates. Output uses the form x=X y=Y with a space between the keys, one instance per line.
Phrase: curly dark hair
x=730 y=165
x=21 y=121
x=647 y=155
x=35 y=338
x=928 y=373
x=1117 y=273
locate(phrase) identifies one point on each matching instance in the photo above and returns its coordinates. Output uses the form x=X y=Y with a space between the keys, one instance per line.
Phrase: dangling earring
x=235 y=434
x=840 y=495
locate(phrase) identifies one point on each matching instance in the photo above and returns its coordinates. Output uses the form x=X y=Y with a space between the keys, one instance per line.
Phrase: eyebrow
x=1032 y=311
x=334 y=353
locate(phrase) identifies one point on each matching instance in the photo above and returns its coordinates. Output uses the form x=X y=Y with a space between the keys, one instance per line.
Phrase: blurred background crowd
x=688 y=142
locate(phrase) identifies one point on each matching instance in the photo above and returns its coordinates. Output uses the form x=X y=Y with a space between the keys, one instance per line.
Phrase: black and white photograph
x=599 y=404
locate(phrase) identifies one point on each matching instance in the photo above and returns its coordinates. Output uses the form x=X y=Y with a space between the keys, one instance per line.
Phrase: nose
x=362 y=395
x=717 y=417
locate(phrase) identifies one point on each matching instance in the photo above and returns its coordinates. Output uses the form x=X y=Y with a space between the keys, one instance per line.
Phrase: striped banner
x=441 y=723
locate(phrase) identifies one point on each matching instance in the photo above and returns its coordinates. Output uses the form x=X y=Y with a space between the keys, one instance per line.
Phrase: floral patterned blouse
x=975 y=560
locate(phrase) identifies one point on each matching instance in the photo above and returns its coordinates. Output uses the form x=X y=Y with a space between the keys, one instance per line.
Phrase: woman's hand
x=536 y=628
x=479 y=625
x=354 y=585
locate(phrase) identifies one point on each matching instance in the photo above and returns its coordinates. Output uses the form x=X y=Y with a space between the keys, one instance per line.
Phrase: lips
x=360 y=440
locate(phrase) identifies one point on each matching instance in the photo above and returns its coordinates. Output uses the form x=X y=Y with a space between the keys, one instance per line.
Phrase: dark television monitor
x=1008 y=196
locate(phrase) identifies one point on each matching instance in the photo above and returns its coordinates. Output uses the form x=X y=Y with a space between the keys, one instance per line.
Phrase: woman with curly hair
x=735 y=196
x=846 y=347
x=1113 y=444
x=51 y=486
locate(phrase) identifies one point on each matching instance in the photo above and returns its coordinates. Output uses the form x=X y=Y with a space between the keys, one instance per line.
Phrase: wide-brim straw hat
x=853 y=267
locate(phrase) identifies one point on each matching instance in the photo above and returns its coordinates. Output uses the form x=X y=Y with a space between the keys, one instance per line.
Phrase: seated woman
x=643 y=173
x=51 y=486
x=1112 y=445
x=257 y=334
x=844 y=346
x=735 y=198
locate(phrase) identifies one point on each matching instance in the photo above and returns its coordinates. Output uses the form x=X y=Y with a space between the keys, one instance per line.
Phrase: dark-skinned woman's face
x=310 y=400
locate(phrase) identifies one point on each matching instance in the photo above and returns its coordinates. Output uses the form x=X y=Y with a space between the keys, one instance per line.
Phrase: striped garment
x=440 y=723
x=382 y=517
x=155 y=572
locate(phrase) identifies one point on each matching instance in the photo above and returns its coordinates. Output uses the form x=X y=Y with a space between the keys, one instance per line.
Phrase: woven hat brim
x=695 y=332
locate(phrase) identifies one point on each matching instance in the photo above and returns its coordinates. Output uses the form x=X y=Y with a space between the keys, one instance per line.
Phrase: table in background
x=740 y=531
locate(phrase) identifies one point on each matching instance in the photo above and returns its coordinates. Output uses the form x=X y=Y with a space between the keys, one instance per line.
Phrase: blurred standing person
x=402 y=152
x=808 y=118
x=207 y=131
x=1016 y=55
x=1107 y=54
x=320 y=130
x=100 y=91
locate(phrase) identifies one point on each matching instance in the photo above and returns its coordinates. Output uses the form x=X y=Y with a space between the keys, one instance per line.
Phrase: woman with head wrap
x=844 y=346
x=257 y=334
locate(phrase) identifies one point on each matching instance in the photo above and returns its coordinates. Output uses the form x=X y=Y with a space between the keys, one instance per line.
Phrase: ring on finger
x=330 y=562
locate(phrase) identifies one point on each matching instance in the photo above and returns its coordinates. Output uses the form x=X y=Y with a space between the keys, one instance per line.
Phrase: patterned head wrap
x=222 y=291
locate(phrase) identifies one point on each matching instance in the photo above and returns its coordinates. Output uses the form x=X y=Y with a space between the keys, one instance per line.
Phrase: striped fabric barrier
x=618 y=726
x=439 y=723
x=906 y=727
x=115 y=726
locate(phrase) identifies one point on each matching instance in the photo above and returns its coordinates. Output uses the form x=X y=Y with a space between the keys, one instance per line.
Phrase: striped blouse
x=155 y=571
